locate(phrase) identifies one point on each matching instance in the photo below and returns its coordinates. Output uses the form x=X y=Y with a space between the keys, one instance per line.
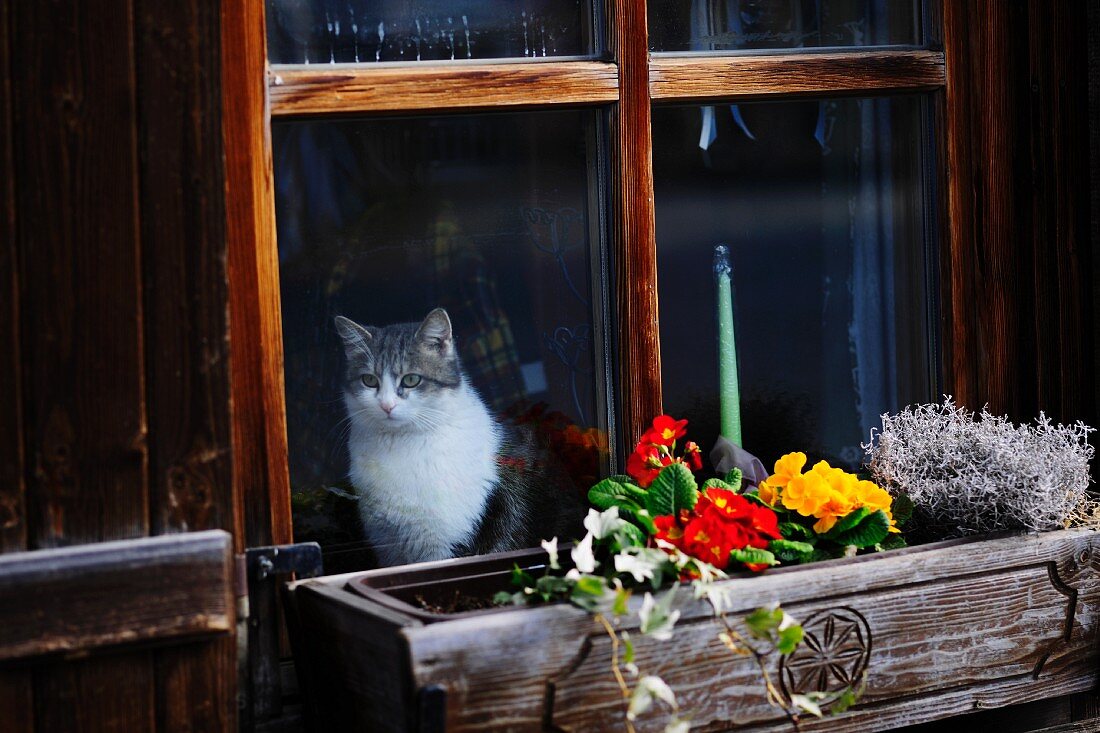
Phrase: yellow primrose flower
x=767 y=492
x=805 y=494
x=787 y=468
x=871 y=496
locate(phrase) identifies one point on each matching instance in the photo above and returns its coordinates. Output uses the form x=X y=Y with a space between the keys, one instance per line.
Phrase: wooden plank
x=695 y=78
x=635 y=248
x=110 y=593
x=297 y=90
x=954 y=628
x=183 y=236
x=13 y=524
x=75 y=148
x=356 y=662
x=191 y=691
x=261 y=484
x=17 y=700
x=110 y=694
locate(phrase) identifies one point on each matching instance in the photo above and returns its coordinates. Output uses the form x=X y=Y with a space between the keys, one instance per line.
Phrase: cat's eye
x=410 y=380
x=369 y=380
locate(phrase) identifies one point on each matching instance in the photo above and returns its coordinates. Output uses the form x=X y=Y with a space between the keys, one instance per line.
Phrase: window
x=557 y=187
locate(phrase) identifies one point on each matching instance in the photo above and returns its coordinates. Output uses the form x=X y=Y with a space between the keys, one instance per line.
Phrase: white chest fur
x=421 y=492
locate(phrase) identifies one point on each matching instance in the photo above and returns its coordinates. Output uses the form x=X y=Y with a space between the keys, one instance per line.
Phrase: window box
x=940 y=630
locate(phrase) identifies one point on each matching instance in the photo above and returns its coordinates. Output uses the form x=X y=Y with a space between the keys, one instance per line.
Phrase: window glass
x=825 y=208
x=493 y=218
x=369 y=31
x=735 y=25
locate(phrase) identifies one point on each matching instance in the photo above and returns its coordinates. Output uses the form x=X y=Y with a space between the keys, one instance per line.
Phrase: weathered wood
x=13 y=526
x=261 y=485
x=76 y=155
x=941 y=631
x=297 y=90
x=694 y=78
x=355 y=670
x=183 y=242
x=195 y=687
x=76 y=599
x=109 y=694
x=17 y=700
x=637 y=340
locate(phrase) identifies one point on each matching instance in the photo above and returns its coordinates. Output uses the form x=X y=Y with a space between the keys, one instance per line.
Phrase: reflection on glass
x=824 y=205
x=368 y=31
x=490 y=218
x=734 y=25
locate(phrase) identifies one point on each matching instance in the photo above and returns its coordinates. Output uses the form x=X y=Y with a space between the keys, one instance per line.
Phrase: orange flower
x=787 y=468
x=806 y=493
x=767 y=492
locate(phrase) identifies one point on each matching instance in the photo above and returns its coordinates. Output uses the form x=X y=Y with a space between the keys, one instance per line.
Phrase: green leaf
x=628 y=649
x=764 y=621
x=673 y=489
x=521 y=578
x=716 y=483
x=734 y=479
x=612 y=492
x=590 y=592
x=503 y=597
x=846 y=700
x=893 y=541
x=629 y=536
x=753 y=556
x=622 y=596
x=791 y=550
x=902 y=508
x=789 y=639
x=640 y=517
x=847 y=522
x=549 y=586
x=795 y=531
x=872 y=530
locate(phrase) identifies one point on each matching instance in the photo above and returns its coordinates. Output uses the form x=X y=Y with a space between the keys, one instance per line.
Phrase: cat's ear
x=356 y=338
x=435 y=332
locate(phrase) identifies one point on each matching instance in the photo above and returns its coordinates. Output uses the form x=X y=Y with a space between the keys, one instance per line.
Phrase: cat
x=436 y=475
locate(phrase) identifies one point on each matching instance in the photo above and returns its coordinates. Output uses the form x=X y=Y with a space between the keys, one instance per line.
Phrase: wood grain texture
x=76 y=599
x=261 y=486
x=110 y=694
x=637 y=342
x=1094 y=180
x=17 y=700
x=183 y=238
x=696 y=78
x=1022 y=333
x=75 y=147
x=192 y=694
x=297 y=90
x=948 y=630
x=13 y=524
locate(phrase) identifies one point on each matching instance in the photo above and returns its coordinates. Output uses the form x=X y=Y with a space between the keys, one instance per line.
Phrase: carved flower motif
x=832 y=656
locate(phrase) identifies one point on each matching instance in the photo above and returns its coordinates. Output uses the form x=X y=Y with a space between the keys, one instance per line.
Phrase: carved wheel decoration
x=832 y=657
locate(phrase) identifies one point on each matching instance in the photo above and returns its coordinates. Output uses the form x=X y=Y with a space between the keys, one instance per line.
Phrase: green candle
x=728 y=390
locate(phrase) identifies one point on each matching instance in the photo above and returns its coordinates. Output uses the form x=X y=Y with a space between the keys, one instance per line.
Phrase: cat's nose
x=387 y=407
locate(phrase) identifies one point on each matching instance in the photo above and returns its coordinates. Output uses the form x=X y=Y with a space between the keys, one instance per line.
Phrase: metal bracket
x=261 y=686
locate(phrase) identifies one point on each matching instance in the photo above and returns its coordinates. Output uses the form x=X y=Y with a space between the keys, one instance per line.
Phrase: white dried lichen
x=969 y=473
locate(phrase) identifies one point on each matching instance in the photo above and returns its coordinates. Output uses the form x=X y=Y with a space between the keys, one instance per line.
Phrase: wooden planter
x=940 y=630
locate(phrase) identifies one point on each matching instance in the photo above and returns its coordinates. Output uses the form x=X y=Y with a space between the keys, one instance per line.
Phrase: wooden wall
x=114 y=372
x=1022 y=337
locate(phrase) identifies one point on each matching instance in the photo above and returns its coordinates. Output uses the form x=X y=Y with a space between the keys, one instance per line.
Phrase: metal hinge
x=258 y=571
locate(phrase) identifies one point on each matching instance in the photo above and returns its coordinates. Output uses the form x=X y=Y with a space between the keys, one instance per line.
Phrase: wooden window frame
x=627 y=83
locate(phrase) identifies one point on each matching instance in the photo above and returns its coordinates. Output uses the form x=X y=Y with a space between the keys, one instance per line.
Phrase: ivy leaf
x=795 y=531
x=807 y=703
x=521 y=578
x=628 y=535
x=764 y=621
x=673 y=489
x=503 y=597
x=791 y=550
x=789 y=639
x=847 y=522
x=613 y=492
x=871 y=530
x=621 y=597
x=734 y=479
x=591 y=593
x=753 y=556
